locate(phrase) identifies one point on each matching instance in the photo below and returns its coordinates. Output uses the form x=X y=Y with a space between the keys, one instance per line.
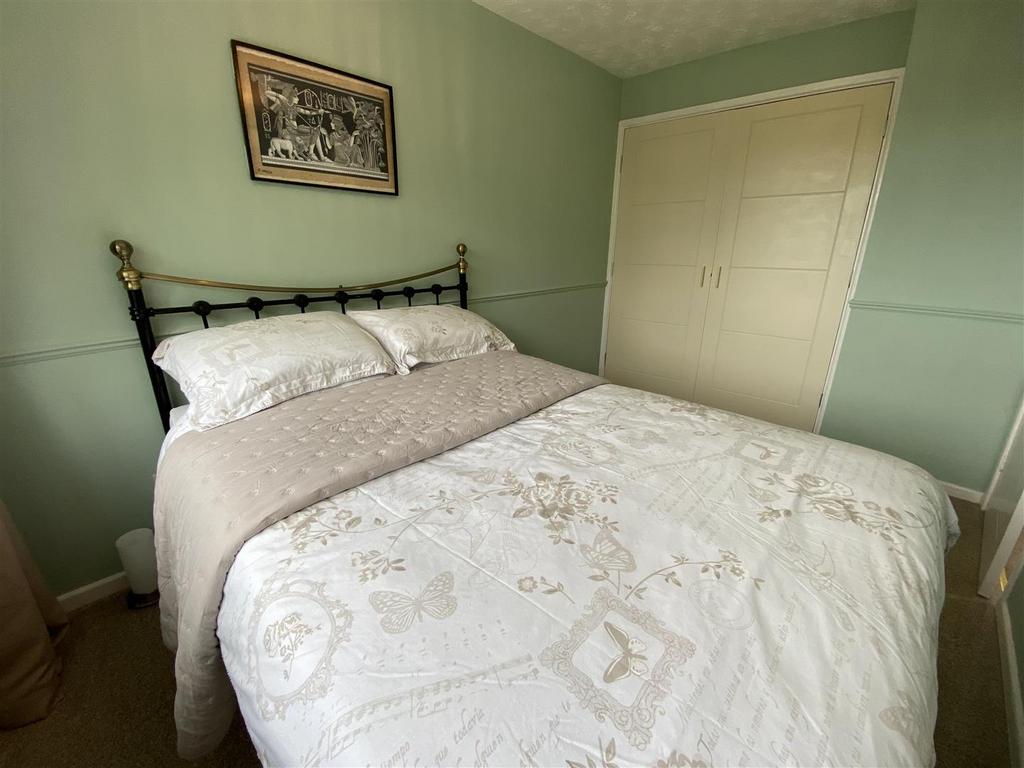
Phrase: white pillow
x=231 y=372
x=176 y=415
x=431 y=334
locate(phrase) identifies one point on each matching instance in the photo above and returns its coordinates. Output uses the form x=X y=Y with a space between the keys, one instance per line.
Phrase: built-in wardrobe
x=735 y=237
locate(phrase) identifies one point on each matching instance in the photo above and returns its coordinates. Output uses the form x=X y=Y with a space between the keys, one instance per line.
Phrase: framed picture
x=305 y=123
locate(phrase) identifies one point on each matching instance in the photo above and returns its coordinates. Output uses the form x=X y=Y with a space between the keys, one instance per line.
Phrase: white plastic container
x=138 y=556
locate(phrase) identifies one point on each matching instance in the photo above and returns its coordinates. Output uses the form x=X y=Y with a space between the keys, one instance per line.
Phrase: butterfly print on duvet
x=398 y=611
x=631 y=659
x=607 y=554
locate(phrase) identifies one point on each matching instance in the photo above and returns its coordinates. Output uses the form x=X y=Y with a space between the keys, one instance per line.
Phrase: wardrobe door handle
x=702 y=271
x=718 y=279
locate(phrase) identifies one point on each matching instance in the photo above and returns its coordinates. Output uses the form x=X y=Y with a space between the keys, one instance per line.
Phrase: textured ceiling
x=631 y=37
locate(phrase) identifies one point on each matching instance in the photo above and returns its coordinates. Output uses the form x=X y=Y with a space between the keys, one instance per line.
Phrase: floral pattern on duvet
x=619 y=579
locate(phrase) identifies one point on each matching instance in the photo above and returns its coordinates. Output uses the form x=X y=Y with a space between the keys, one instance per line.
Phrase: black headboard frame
x=142 y=314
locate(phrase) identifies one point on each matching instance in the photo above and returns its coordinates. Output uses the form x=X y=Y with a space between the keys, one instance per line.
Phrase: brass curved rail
x=132 y=277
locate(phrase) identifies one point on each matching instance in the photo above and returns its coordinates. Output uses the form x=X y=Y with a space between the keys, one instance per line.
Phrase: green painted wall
x=870 y=45
x=933 y=362
x=120 y=119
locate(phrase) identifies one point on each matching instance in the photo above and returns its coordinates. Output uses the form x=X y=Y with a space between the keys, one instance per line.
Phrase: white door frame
x=1004 y=457
x=996 y=578
x=894 y=76
x=991 y=581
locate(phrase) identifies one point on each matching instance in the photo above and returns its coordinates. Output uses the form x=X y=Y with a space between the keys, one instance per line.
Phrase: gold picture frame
x=305 y=123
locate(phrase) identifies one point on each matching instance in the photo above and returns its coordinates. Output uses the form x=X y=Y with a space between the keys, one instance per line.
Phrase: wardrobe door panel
x=796 y=195
x=672 y=167
x=769 y=302
x=765 y=368
x=793 y=231
x=805 y=152
x=660 y=233
x=653 y=293
x=635 y=348
x=736 y=235
x=669 y=201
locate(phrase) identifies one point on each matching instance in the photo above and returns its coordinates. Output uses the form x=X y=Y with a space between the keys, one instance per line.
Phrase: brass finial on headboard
x=463 y=264
x=127 y=274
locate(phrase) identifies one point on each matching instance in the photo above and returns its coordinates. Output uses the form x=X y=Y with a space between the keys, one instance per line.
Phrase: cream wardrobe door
x=670 y=195
x=796 y=196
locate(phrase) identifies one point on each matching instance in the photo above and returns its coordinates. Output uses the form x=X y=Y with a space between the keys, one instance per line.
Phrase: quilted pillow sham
x=230 y=372
x=431 y=334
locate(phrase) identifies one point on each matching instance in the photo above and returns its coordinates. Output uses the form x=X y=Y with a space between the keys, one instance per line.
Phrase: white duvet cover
x=620 y=579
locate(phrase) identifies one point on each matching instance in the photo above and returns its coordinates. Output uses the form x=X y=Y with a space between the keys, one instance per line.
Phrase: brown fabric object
x=216 y=489
x=32 y=622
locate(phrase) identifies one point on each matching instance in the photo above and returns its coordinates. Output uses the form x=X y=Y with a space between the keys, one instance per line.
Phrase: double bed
x=498 y=561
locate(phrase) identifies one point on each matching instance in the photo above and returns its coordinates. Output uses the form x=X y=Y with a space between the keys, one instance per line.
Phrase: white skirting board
x=966 y=494
x=90 y=593
x=1011 y=686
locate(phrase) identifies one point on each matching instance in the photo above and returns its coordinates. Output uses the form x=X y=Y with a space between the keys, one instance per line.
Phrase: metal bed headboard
x=142 y=314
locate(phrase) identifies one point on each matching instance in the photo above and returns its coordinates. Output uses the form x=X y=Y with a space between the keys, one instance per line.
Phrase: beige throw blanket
x=218 y=488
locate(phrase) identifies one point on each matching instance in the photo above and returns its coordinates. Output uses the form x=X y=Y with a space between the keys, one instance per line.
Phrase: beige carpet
x=972 y=715
x=119 y=689
x=118 y=701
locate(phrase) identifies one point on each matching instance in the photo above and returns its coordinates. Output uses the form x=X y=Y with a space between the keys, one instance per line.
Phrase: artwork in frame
x=305 y=123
